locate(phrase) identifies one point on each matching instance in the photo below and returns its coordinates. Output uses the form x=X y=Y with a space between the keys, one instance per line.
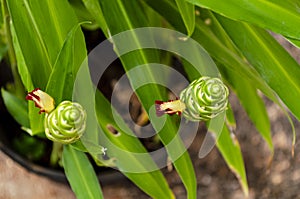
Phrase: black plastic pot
x=9 y=129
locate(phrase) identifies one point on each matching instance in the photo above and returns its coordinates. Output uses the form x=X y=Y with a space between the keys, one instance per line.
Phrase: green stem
x=56 y=153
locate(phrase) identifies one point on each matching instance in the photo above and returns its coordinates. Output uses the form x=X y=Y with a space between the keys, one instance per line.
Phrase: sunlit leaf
x=270 y=59
x=94 y=8
x=254 y=107
x=230 y=149
x=80 y=174
x=187 y=12
x=84 y=15
x=36 y=120
x=71 y=56
x=279 y=16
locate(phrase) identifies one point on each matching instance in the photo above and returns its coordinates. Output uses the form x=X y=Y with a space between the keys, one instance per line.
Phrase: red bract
x=170 y=107
x=41 y=100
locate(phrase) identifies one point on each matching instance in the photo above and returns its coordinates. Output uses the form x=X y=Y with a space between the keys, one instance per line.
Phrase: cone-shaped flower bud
x=66 y=123
x=204 y=98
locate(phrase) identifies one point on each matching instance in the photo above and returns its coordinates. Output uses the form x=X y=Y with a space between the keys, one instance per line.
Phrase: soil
x=280 y=179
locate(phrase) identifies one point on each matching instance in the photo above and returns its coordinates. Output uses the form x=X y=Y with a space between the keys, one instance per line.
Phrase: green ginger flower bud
x=66 y=123
x=204 y=99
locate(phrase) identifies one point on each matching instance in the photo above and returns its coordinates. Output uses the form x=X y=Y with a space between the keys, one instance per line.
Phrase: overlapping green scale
x=66 y=123
x=204 y=98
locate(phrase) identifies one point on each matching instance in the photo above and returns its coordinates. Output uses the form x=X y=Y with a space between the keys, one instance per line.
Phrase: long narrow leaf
x=72 y=54
x=83 y=15
x=22 y=67
x=36 y=120
x=273 y=63
x=94 y=8
x=16 y=107
x=41 y=38
x=187 y=12
x=28 y=33
x=230 y=149
x=280 y=16
x=80 y=174
x=254 y=107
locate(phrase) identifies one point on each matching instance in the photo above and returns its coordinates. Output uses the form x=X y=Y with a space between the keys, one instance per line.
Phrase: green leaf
x=30 y=39
x=187 y=12
x=16 y=107
x=230 y=149
x=22 y=68
x=254 y=107
x=30 y=147
x=80 y=174
x=270 y=59
x=84 y=15
x=230 y=120
x=126 y=20
x=71 y=56
x=3 y=47
x=214 y=129
x=168 y=10
x=6 y=43
x=41 y=38
x=94 y=8
x=36 y=120
x=279 y=16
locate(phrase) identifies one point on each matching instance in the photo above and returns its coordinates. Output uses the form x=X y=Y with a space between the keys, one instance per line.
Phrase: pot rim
x=105 y=177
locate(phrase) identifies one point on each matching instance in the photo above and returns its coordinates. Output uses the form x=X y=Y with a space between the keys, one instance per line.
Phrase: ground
x=280 y=179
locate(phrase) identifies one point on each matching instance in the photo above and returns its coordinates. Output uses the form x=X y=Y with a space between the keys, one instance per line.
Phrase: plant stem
x=55 y=154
